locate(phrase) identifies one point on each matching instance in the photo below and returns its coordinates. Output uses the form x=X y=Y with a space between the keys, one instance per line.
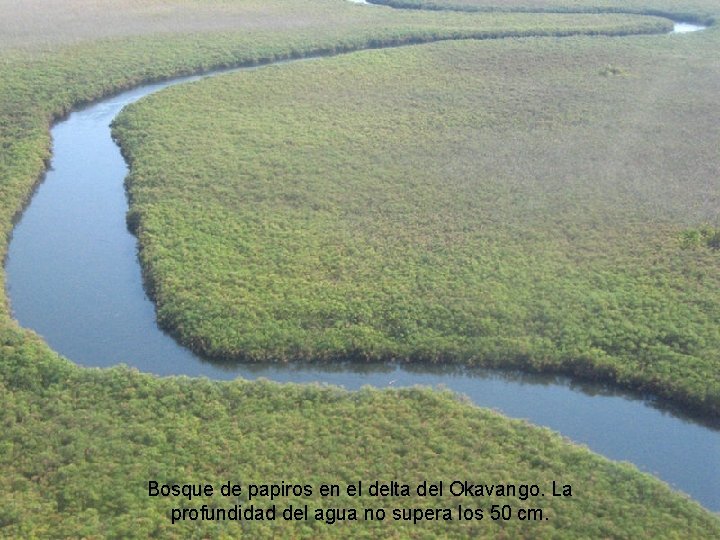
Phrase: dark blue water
x=73 y=277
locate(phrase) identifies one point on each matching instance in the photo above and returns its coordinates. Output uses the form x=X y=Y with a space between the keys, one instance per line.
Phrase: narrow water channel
x=73 y=277
x=678 y=27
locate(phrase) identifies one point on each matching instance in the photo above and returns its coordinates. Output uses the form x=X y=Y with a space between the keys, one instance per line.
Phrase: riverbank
x=51 y=465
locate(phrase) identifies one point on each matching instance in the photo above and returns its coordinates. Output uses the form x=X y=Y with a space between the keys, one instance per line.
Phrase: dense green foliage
x=469 y=201
x=77 y=446
x=704 y=236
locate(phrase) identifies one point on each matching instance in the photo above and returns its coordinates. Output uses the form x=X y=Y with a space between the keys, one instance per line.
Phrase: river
x=73 y=277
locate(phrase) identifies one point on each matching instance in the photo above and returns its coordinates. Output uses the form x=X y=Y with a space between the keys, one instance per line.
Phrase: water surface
x=683 y=28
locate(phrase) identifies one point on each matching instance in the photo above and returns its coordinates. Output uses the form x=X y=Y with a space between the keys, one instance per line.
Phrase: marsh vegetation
x=78 y=445
x=476 y=202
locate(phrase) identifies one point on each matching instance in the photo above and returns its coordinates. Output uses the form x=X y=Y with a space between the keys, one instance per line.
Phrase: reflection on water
x=73 y=276
x=682 y=28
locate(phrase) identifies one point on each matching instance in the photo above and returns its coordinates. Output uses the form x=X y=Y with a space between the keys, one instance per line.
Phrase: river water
x=73 y=277
x=678 y=27
x=684 y=28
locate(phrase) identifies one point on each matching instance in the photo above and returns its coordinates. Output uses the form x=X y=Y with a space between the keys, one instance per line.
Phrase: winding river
x=73 y=276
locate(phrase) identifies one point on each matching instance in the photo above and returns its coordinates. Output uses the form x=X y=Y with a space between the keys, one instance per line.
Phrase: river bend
x=74 y=277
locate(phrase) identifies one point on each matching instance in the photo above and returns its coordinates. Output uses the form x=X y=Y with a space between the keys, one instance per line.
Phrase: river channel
x=73 y=277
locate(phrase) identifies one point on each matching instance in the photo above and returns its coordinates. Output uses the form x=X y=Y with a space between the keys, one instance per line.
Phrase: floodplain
x=79 y=445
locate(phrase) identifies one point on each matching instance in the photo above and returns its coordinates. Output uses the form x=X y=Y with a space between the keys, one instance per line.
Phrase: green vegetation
x=705 y=236
x=699 y=11
x=477 y=202
x=44 y=72
x=77 y=446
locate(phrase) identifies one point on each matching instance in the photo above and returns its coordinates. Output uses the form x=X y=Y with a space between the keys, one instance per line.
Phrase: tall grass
x=77 y=445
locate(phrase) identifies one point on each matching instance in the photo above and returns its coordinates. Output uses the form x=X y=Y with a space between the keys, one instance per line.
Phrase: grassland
x=77 y=446
x=513 y=204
